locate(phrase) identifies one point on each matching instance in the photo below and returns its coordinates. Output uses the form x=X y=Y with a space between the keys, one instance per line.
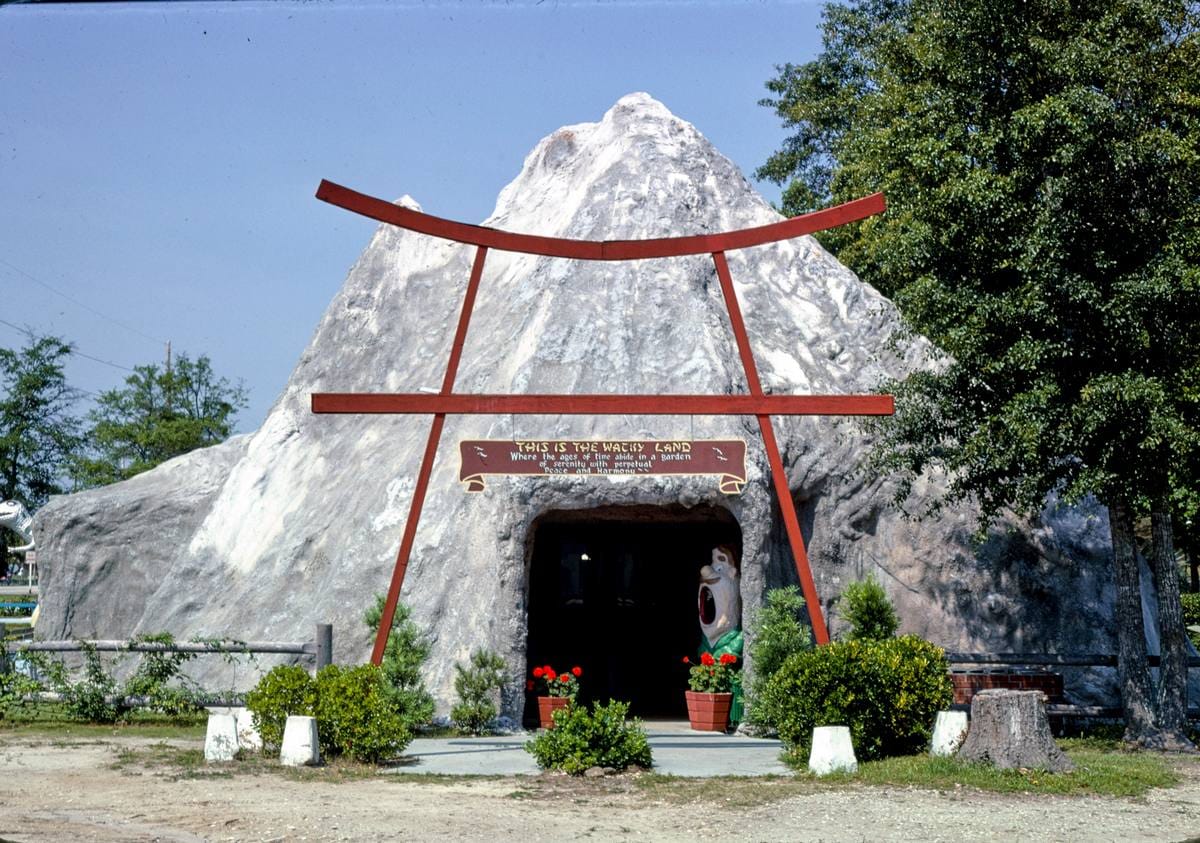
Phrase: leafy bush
x=887 y=692
x=865 y=606
x=152 y=680
x=93 y=698
x=779 y=630
x=286 y=689
x=358 y=715
x=600 y=738
x=14 y=687
x=476 y=685
x=1191 y=615
x=157 y=683
x=406 y=650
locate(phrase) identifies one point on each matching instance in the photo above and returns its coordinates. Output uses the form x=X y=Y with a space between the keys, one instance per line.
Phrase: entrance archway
x=613 y=590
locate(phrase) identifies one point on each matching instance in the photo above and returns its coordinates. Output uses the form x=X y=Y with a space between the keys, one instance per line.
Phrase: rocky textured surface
x=306 y=514
x=105 y=551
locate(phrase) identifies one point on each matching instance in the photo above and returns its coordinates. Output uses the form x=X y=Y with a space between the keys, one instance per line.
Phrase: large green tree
x=157 y=415
x=1041 y=160
x=38 y=432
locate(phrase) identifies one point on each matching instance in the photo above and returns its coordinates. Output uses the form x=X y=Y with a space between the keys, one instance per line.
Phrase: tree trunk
x=1173 y=675
x=1009 y=730
x=1137 y=698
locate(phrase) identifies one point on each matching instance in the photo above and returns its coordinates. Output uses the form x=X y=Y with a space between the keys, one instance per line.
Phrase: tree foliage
x=404 y=655
x=1041 y=161
x=38 y=432
x=157 y=415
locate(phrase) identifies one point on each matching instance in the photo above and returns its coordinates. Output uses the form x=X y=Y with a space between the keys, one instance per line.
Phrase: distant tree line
x=48 y=448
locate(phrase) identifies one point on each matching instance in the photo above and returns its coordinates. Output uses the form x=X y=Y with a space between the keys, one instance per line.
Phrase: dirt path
x=93 y=792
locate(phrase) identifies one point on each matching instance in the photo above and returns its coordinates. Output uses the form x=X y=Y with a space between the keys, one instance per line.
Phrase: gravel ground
x=51 y=791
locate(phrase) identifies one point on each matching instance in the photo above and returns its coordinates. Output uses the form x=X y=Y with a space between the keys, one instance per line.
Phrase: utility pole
x=170 y=388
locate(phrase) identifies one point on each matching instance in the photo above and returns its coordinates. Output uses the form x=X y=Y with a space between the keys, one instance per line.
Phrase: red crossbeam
x=598 y=250
x=414 y=403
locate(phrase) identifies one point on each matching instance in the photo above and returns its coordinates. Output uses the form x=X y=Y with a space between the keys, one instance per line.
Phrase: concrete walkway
x=677 y=750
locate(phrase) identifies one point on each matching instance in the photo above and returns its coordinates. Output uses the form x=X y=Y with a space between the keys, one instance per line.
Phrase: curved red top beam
x=597 y=250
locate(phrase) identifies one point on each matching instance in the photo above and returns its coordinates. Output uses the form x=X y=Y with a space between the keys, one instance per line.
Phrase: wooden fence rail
x=321 y=647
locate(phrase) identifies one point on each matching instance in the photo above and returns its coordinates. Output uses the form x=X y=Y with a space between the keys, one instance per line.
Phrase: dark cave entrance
x=614 y=591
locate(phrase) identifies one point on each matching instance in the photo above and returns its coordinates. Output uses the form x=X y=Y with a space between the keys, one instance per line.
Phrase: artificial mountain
x=263 y=536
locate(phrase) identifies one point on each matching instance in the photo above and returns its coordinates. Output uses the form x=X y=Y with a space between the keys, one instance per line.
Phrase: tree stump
x=1009 y=729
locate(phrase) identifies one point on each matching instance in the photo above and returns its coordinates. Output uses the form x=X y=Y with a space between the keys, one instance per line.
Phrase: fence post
x=324 y=645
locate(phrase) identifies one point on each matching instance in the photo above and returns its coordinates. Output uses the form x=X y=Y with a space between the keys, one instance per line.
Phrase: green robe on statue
x=731 y=642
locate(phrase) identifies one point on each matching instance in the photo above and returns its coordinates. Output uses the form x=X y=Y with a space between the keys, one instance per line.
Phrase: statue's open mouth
x=708 y=605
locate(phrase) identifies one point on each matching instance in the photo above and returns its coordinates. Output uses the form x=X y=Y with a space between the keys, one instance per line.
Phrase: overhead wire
x=78 y=303
x=74 y=350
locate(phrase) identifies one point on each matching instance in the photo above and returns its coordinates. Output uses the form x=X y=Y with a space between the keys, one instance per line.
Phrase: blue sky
x=158 y=161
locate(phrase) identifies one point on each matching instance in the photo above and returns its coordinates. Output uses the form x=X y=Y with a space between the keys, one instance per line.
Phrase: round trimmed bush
x=887 y=692
x=598 y=738
x=284 y=690
x=357 y=716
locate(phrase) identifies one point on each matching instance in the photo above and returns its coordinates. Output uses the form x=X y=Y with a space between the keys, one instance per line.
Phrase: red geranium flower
x=686 y=660
x=537 y=672
x=564 y=678
x=577 y=671
x=550 y=675
x=707 y=658
x=728 y=658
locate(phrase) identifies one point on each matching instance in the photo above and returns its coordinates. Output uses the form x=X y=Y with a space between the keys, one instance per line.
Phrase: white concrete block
x=832 y=751
x=300 y=745
x=247 y=733
x=220 y=739
x=949 y=731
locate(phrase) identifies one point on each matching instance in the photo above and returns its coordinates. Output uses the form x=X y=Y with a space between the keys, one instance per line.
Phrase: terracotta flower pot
x=708 y=712
x=546 y=708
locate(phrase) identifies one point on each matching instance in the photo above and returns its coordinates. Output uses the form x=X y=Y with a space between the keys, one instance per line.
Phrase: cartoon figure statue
x=720 y=604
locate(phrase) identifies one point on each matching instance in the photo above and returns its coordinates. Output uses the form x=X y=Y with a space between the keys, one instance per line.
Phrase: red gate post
x=435 y=435
x=786 y=505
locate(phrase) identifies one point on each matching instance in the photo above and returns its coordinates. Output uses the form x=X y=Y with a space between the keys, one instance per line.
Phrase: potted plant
x=555 y=691
x=711 y=694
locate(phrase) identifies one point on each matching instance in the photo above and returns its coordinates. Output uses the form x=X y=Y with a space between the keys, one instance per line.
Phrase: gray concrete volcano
x=300 y=522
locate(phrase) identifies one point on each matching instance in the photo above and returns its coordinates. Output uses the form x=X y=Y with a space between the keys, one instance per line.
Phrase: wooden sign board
x=725 y=458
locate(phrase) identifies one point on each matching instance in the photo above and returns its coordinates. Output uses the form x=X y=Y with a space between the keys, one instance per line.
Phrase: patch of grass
x=1101 y=768
x=49 y=720
x=1104 y=772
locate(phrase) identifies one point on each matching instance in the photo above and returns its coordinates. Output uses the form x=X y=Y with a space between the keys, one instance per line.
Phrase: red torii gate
x=757 y=403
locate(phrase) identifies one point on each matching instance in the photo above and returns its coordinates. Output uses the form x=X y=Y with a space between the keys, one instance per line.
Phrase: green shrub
x=476 y=685
x=152 y=680
x=358 y=716
x=1191 y=616
x=93 y=697
x=887 y=692
x=284 y=690
x=406 y=650
x=865 y=606
x=157 y=683
x=14 y=688
x=779 y=630
x=598 y=738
